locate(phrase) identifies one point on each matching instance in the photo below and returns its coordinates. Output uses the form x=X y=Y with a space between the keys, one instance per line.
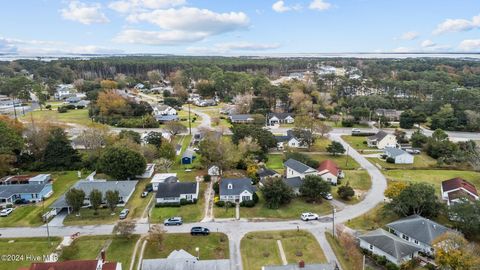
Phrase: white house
x=294 y=168
x=383 y=243
x=289 y=141
x=280 y=118
x=457 y=189
x=382 y=140
x=164 y=110
x=175 y=192
x=329 y=171
x=163 y=178
x=417 y=230
x=236 y=190
x=399 y=156
x=63 y=91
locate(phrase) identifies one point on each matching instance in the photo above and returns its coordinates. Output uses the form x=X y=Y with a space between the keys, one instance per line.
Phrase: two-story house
x=295 y=168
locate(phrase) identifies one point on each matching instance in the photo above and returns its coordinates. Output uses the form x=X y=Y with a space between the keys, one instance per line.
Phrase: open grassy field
x=31 y=215
x=89 y=247
x=88 y=217
x=373 y=219
x=287 y=212
x=357 y=142
x=25 y=246
x=213 y=246
x=421 y=161
x=183 y=114
x=275 y=161
x=189 y=212
x=434 y=177
x=72 y=116
x=339 y=251
x=260 y=248
x=359 y=180
x=321 y=144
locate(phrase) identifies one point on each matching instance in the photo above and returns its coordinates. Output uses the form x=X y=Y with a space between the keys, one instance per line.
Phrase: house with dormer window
x=236 y=190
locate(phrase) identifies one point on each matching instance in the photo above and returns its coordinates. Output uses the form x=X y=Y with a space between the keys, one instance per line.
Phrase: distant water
x=466 y=56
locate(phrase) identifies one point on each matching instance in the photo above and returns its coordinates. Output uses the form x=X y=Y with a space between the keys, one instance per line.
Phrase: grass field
x=359 y=180
x=275 y=161
x=189 y=212
x=88 y=247
x=183 y=114
x=291 y=211
x=339 y=251
x=260 y=248
x=373 y=219
x=421 y=161
x=434 y=177
x=25 y=246
x=72 y=116
x=213 y=246
x=320 y=145
x=31 y=215
x=137 y=204
x=88 y=217
x=357 y=142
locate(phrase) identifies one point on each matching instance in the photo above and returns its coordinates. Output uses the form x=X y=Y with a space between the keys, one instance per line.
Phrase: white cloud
x=402 y=50
x=135 y=36
x=457 y=25
x=428 y=43
x=319 y=5
x=411 y=35
x=223 y=48
x=84 y=13
x=470 y=45
x=6 y=46
x=279 y=6
x=126 y=6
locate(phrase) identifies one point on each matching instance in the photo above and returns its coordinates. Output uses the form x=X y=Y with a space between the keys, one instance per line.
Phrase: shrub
x=390 y=160
x=220 y=203
x=79 y=107
x=183 y=201
x=255 y=197
x=167 y=204
x=391 y=266
x=216 y=187
x=248 y=204
x=62 y=109
x=48 y=107
x=347 y=123
x=207 y=178
x=70 y=107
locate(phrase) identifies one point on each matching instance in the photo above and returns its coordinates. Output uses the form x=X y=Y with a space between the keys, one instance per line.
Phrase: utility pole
x=189 y=121
x=333 y=220
x=346 y=160
x=46 y=221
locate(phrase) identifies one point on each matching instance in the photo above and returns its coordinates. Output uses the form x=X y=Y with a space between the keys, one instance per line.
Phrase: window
x=371 y=247
x=416 y=242
x=405 y=237
x=230 y=186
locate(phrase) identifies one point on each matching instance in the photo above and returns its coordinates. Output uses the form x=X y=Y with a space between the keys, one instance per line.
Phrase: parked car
x=175 y=221
x=199 y=231
x=412 y=151
x=124 y=214
x=144 y=194
x=355 y=131
x=5 y=212
x=328 y=196
x=309 y=216
x=149 y=188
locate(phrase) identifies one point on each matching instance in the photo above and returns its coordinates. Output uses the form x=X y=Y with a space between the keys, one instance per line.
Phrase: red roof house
x=456 y=189
x=329 y=171
x=100 y=264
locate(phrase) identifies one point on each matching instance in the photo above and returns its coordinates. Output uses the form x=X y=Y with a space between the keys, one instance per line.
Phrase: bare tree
x=175 y=128
x=125 y=228
x=163 y=164
x=243 y=103
x=157 y=235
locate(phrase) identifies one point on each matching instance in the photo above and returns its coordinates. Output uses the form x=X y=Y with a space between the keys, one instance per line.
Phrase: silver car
x=124 y=214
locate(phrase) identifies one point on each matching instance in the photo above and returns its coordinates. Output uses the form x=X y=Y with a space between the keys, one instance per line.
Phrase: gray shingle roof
x=188 y=154
x=240 y=117
x=125 y=189
x=297 y=166
x=316 y=266
x=166 y=117
x=266 y=173
x=394 y=152
x=169 y=190
x=7 y=191
x=280 y=116
x=389 y=243
x=419 y=228
x=238 y=186
x=184 y=264
x=294 y=182
x=379 y=136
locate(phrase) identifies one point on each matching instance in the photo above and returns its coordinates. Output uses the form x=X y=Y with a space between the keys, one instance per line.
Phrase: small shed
x=188 y=157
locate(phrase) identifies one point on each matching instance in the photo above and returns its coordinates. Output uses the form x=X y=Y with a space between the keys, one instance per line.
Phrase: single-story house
x=124 y=188
x=301 y=265
x=174 y=192
x=280 y=118
x=139 y=86
x=149 y=170
x=398 y=155
x=381 y=140
x=236 y=189
x=456 y=189
x=329 y=171
x=417 y=230
x=289 y=140
x=390 y=115
x=39 y=179
x=295 y=168
x=241 y=118
x=164 y=110
x=163 y=178
x=214 y=170
x=188 y=156
x=205 y=102
x=180 y=259
x=265 y=173
x=99 y=264
x=30 y=192
x=166 y=118
x=383 y=243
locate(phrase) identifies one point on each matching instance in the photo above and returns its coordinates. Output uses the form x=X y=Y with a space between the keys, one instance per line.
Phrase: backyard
x=421 y=161
x=260 y=248
x=79 y=116
x=359 y=180
x=357 y=142
x=25 y=246
x=211 y=247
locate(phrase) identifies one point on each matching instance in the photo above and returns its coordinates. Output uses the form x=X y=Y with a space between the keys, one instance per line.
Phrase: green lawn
x=260 y=248
x=31 y=215
x=183 y=114
x=275 y=161
x=339 y=124
x=137 y=204
x=291 y=211
x=421 y=161
x=359 y=180
x=340 y=253
x=213 y=246
x=88 y=247
x=88 y=217
x=25 y=246
x=357 y=142
x=320 y=145
x=434 y=177
x=72 y=116
x=189 y=212
x=373 y=219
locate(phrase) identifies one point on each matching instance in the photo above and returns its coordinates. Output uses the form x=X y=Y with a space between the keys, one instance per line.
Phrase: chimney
x=102 y=255
x=301 y=264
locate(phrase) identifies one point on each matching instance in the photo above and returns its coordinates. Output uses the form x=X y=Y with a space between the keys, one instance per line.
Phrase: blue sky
x=245 y=27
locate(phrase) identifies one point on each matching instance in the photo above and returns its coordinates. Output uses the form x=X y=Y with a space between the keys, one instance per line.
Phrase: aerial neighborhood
x=248 y=163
